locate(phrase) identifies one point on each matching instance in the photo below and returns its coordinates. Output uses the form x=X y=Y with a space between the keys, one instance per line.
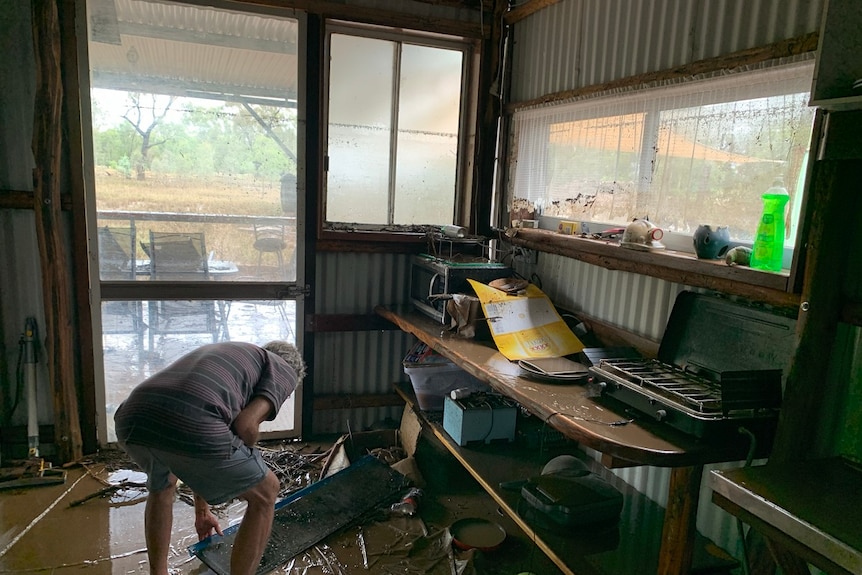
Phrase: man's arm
x=247 y=422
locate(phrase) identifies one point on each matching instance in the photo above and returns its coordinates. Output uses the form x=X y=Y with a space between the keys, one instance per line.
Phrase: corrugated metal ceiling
x=184 y=50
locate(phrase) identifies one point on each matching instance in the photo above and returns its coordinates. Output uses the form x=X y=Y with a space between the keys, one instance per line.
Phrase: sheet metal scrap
x=311 y=514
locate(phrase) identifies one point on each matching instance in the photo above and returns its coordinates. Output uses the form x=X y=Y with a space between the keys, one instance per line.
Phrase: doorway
x=194 y=210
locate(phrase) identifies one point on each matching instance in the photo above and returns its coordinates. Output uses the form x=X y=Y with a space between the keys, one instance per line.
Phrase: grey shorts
x=216 y=480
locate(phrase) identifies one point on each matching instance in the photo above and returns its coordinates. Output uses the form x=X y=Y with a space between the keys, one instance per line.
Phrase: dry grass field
x=178 y=194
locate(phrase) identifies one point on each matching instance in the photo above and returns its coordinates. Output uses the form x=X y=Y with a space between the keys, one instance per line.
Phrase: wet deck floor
x=41 y=533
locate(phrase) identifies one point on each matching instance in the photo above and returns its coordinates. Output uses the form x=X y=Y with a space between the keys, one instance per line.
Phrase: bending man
x=198 y=420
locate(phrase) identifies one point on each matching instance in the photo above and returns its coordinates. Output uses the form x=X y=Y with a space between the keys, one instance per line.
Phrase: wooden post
x=47 y=151
x=680 y=521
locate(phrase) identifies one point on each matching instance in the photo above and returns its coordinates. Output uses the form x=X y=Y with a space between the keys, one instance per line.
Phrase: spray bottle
x=769 y=243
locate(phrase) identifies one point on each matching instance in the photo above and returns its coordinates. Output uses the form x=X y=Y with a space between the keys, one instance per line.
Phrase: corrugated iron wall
x=358 y=362
x=578 y=43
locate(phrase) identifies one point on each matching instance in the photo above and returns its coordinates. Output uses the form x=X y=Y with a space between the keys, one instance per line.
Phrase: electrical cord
x=616 y=423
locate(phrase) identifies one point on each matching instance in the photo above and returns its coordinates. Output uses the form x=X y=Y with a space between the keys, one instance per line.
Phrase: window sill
x=370 y=241
x=678 y=267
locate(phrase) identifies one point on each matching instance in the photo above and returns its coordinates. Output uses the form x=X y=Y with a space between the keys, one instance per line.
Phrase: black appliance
x=433 y=280
x=720 y=366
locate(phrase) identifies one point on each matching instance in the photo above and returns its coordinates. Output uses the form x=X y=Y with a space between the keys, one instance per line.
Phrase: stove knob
x=660 y=414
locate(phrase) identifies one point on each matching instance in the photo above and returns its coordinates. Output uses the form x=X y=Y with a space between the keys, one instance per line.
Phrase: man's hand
x=247 y=423
x=205 y=522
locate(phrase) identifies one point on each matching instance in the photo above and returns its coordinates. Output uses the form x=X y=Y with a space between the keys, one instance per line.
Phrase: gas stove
x=720 y=367
x=692 y=403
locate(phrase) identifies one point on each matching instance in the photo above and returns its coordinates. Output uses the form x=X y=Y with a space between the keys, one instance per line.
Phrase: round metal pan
x=477 y=533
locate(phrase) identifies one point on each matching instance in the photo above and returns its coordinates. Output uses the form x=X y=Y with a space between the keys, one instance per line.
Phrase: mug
x=711 y=242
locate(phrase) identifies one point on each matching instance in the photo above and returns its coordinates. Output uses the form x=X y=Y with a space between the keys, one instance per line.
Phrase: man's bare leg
x=158 y=521
x=253 y=534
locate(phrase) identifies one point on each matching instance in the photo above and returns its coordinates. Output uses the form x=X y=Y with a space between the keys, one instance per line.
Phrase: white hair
x=288 y=352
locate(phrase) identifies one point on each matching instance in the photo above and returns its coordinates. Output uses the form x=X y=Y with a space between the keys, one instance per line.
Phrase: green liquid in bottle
x=768 y=247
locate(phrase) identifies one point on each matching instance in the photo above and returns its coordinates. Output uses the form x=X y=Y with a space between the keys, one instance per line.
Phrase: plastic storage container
x=433 y=377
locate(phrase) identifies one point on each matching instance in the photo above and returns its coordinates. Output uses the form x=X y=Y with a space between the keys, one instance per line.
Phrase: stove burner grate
x=670 y=382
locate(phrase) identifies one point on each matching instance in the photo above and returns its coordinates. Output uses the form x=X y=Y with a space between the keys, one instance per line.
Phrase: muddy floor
x=93 y=523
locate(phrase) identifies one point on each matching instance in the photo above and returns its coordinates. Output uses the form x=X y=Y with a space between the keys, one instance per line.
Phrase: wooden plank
x=47 y=151
x=836 y=209
x=352 y=401
x=671 y=266
x=570 y=409
x=330 y=323
x=525 y=9
x=679 y=527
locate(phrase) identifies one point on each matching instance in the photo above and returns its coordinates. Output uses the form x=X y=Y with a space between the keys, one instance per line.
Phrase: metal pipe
x=30 y=362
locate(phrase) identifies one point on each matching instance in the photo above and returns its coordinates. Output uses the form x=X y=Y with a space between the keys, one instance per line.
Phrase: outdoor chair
x=178 y=255
x=270 y=239
x=182 y=256
x=117 y=262
x=116 y=253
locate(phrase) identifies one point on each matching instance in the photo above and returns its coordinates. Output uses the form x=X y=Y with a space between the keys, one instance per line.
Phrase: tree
x=144 y=119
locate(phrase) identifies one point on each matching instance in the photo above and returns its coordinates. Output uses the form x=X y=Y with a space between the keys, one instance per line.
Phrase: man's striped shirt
x=188 y=407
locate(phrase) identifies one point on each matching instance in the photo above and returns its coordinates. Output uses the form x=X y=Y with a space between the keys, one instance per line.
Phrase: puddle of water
x=97 y=536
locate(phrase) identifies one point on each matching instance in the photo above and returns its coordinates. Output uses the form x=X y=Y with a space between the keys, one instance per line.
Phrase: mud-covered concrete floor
x=40 y=532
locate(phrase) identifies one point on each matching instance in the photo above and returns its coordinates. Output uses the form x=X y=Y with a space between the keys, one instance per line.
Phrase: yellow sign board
x=526 y=325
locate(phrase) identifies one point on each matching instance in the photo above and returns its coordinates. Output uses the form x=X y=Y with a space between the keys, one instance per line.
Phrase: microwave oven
x=432 y=279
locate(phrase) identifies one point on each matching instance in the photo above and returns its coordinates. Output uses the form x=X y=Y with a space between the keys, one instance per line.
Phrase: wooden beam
x=836 y=206
x=23 y=200
x=671 y=266
x=333 y=323
x=80 y=276
x=679 y=527
x=379 y=16
x=371 y=242
x=851 y=313
x=525 y=9
x=47 y=151
x=489 y=107
x=351 y=401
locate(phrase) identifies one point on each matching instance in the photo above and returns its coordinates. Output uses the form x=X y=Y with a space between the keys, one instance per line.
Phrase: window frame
x=628 y=95
x=114 y=290
x=405 y=236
